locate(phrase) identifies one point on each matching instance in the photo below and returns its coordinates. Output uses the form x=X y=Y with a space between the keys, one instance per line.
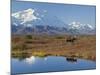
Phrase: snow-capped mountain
x=30 y=21
x=25 y=16
x=81 y=28
x=78 y=25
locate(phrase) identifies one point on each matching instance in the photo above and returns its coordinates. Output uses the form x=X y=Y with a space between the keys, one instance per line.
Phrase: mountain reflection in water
x=35 y=64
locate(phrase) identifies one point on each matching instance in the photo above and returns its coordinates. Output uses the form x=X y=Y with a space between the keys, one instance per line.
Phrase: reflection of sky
x=52 y=63
x=66 y=13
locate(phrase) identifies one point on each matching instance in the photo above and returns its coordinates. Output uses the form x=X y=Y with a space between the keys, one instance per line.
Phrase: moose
x=71 y=39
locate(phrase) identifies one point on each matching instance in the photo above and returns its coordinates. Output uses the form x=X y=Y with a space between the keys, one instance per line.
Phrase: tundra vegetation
x=81 y=46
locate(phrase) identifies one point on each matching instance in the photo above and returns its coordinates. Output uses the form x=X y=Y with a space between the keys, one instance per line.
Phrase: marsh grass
x=84 y=46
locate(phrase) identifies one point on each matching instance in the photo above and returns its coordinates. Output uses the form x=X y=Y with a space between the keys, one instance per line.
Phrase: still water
x=50 y=63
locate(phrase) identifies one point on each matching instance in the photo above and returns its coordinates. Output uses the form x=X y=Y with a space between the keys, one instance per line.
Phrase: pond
x=35 y=64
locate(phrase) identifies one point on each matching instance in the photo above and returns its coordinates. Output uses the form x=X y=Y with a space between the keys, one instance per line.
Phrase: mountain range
x=31 y=22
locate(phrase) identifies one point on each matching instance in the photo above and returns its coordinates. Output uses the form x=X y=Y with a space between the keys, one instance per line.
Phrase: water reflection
x=49 y=63
x=30 y=60
x=21 y=56
x=71 y=59
x=33 y=59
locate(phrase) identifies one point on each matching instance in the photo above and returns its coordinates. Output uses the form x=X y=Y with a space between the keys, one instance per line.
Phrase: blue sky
x=65 y=12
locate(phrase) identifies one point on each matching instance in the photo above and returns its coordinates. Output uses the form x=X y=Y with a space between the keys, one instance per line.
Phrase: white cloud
x=25 y=15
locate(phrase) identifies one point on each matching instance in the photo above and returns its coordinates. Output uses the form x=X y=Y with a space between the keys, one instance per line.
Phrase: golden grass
x=83 y=47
